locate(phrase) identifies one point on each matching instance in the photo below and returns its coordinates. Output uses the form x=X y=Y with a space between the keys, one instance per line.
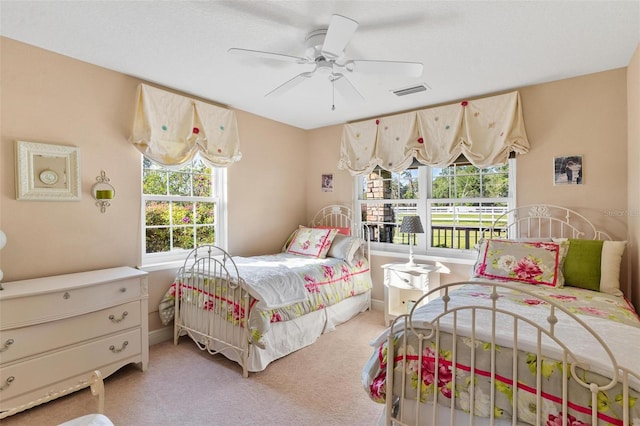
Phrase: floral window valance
x=486 y=131
x=171 y=129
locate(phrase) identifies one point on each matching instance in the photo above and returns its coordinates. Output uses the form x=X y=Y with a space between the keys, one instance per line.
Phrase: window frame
x=218 y=198
x=422 y=244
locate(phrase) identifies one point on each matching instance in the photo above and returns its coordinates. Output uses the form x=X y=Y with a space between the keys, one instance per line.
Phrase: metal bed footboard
x=408 y=404
x=212 y=306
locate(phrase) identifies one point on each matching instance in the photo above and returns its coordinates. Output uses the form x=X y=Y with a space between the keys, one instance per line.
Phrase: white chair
x=96 y=419
x=97 y=389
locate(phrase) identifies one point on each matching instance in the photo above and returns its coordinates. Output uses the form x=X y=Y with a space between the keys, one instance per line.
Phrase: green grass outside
x=464 y=220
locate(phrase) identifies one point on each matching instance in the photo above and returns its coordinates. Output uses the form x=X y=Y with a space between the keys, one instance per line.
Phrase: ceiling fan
x=325 y=48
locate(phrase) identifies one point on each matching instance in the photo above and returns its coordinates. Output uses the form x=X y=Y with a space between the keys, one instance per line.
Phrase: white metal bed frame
x=544 y=221
x=536 y=221
x=211 y=330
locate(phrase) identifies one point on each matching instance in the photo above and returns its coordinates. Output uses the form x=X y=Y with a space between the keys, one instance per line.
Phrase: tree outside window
x=180 y=208
x=456 y=203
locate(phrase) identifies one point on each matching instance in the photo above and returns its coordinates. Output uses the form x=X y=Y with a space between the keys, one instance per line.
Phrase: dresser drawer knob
x=113 y=318
x=123 y=289
x=115 y=351
x=66 y=295
x=7 y=383
x=6 y=345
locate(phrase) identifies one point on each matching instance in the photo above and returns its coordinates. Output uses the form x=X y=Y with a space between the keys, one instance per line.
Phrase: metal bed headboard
x=544 y=221
x=334 y=215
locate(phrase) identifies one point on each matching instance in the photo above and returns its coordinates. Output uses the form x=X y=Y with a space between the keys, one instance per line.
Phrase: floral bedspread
x=324 y=282
x=611 y=317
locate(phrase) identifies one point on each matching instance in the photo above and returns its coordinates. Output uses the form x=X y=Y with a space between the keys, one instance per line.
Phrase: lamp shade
x=411 y=225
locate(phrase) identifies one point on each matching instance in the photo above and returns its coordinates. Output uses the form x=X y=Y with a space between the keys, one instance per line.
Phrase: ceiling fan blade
x=290 y=84
x=268 y=55
x=345 y=88
x=339 y=33
x=411 y=69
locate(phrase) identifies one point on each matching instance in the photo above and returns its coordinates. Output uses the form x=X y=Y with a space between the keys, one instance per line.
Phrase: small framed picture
x=327 y=183
x=46 y=172
x=568 y=170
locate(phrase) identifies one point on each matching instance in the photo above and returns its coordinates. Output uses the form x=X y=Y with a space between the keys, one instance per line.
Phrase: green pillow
x=582 y=266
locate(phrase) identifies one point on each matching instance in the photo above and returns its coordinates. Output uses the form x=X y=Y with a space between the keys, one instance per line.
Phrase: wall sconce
x=411 y=225
x=103 y=192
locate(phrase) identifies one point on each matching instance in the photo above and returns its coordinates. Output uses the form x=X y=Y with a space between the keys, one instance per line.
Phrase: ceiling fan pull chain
x=333 y=92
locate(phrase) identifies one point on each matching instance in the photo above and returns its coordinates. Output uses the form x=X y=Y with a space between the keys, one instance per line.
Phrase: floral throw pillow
x=528 y=262
x=312 y=242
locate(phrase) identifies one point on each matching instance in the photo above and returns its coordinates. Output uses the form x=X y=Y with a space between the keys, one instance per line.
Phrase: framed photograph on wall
x=568 y=170
x=327 y=183
x=47 y=172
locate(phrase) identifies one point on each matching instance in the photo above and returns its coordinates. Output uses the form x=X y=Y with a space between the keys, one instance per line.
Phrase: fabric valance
x=484 y=130
x=171 y=129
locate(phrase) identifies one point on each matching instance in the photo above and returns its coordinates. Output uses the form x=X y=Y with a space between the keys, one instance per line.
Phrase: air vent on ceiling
x=411 y=90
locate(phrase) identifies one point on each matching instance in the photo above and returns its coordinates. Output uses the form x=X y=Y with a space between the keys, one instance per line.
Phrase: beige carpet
x=317 y=385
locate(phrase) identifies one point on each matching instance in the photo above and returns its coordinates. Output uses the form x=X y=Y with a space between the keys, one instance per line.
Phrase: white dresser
x=55 y=331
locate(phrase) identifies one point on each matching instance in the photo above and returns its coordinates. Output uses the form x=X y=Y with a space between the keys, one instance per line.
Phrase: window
x=454 y=204
x=182 y=208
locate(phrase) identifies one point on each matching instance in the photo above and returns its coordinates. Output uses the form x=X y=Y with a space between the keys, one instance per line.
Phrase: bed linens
x=611 y=317
x=273 y=280
x=284 y=286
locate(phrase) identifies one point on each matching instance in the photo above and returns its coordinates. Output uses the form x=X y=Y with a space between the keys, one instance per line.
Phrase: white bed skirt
x=286 y=337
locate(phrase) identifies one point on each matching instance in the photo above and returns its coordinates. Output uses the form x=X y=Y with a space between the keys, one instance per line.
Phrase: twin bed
x=541 y=335
x=255 y=310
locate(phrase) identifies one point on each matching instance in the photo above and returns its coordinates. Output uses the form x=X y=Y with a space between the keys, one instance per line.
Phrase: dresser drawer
x=407 y=279
x=65 y=303
x=47 y=370
x=27 y=341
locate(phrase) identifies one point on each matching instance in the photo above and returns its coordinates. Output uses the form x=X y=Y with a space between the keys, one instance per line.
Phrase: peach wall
x=51 y=98
x=324 y=149
x=579 y=116
x=267 y=189
x=585 y=116
x=633 y=161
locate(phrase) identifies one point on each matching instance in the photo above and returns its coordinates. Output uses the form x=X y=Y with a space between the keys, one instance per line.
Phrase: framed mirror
x=47 y=172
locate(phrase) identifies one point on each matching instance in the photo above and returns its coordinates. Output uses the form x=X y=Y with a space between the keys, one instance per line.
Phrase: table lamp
x=411 y=225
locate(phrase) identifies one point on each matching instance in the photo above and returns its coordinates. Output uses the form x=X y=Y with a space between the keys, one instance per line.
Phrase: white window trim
x=420 y=250
x=160 y=261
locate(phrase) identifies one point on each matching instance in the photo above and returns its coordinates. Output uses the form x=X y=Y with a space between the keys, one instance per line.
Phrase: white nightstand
x=403 y=285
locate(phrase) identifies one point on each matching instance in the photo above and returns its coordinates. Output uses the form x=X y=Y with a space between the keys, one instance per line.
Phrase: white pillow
x=287 y=243
x=345 y=247
x=312 y=242
x=612 y=252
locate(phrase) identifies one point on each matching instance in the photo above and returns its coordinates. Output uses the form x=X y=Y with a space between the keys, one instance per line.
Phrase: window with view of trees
x=181 y=208
x=455 y=203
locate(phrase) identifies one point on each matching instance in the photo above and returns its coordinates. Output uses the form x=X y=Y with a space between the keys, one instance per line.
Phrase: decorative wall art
x=47 y=172
x=327 y=183
x=568 y=170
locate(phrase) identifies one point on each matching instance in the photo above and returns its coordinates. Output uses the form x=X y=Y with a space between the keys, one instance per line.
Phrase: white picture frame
x=47 y=172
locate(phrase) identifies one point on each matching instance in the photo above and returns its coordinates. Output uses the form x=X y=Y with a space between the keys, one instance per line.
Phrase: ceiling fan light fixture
x=323 y=66
x=313 y=43
x=411 y=90
x=325 y=48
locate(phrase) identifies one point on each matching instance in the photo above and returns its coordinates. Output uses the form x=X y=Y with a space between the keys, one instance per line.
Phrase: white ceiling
x=469 y=48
